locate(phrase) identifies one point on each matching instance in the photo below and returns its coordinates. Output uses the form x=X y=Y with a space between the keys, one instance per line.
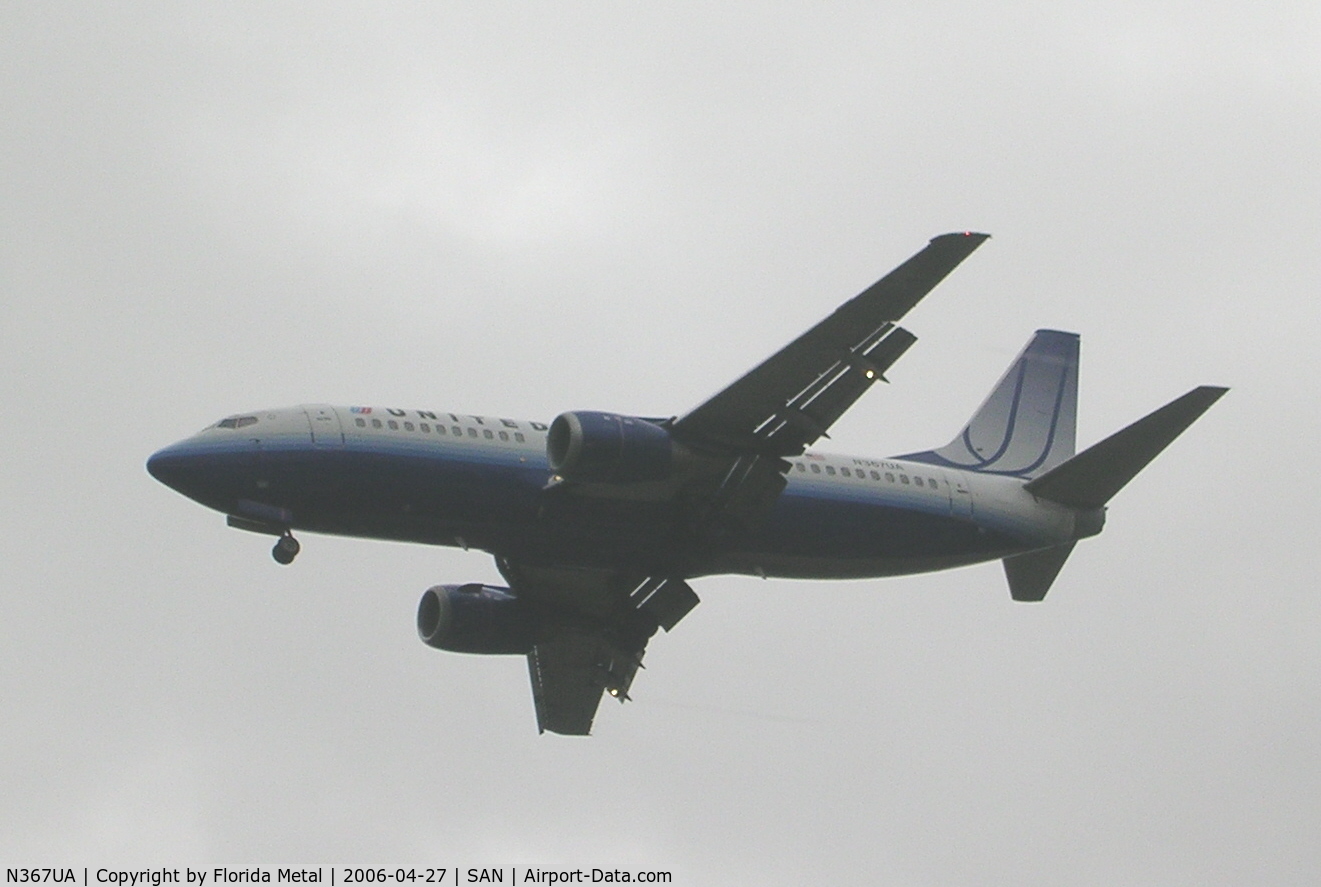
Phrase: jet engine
x=474 y=618
x=607 y=448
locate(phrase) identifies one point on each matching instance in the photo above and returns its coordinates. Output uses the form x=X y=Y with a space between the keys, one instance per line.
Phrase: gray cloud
x=521 y=210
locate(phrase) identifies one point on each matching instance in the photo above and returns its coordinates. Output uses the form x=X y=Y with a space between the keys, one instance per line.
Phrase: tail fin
x=1026 y=426
x=1092 y=477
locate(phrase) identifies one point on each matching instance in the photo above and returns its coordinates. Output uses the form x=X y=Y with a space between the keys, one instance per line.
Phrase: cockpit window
x=237 y=422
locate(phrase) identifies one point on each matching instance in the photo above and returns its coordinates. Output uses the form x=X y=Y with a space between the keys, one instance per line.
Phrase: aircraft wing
x=599 y=621
x=598 y=625
x=791 y=399
x=569 y=672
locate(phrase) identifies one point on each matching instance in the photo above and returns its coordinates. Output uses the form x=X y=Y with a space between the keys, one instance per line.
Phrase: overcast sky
x=519 y=209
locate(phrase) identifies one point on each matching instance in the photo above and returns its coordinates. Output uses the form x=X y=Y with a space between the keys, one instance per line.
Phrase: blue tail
x=1026 y=426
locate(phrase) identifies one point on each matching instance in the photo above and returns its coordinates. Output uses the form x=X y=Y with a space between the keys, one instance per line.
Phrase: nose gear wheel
x=286 y=549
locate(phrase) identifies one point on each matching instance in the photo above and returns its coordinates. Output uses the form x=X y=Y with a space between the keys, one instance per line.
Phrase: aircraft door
x=960 y=493
x=326 y=429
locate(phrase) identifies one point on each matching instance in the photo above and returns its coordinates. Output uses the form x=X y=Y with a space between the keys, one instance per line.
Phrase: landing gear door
x=326 y=430
x=960 y=495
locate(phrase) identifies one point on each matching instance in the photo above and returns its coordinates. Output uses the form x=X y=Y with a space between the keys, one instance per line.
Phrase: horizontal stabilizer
x=1092 y=477
x=1030 y=575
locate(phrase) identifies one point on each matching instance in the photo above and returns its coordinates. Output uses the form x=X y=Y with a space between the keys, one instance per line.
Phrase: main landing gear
x=286 y=549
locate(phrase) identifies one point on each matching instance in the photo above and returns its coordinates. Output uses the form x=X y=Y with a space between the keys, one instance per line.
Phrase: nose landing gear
x=286 y=546
x=286 y=549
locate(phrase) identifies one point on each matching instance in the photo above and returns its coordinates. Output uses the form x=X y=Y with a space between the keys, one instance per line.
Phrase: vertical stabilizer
x=1026 y=426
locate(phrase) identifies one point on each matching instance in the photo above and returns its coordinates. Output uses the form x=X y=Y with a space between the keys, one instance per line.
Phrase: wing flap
x=849 y=378
x=593 y=633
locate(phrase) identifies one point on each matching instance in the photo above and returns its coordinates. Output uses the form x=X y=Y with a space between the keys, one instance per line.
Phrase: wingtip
x=974 y=235
x=1207 y=394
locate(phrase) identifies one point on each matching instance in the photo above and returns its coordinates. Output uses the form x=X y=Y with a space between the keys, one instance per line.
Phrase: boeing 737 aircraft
x=597 y=521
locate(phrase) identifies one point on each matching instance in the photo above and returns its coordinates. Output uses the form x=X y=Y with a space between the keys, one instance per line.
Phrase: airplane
x=598 y=521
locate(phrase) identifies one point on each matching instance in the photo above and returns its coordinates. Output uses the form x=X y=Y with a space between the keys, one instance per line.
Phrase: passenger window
x=458 y=432
x=830 y=470
x=504 y=435
x=889 y=475
x=903 y=478
x=800 y=467
x=426 y=429
x=932 y=481
x=472 y=432
x=440 y=429
x=875 y=475
x=816 y=469
x=488 y=435
x=376 y=423
x=518 y=436
x=360 y=422
x=394 y=426
x=918 y=481
x=408 y=426
x=846 y=472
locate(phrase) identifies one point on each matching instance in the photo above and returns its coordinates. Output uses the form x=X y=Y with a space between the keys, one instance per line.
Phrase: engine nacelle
x=474 y=618
x=608 y=448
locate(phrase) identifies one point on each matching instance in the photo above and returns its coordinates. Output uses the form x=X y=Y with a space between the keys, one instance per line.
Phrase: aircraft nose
x=172 y=465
